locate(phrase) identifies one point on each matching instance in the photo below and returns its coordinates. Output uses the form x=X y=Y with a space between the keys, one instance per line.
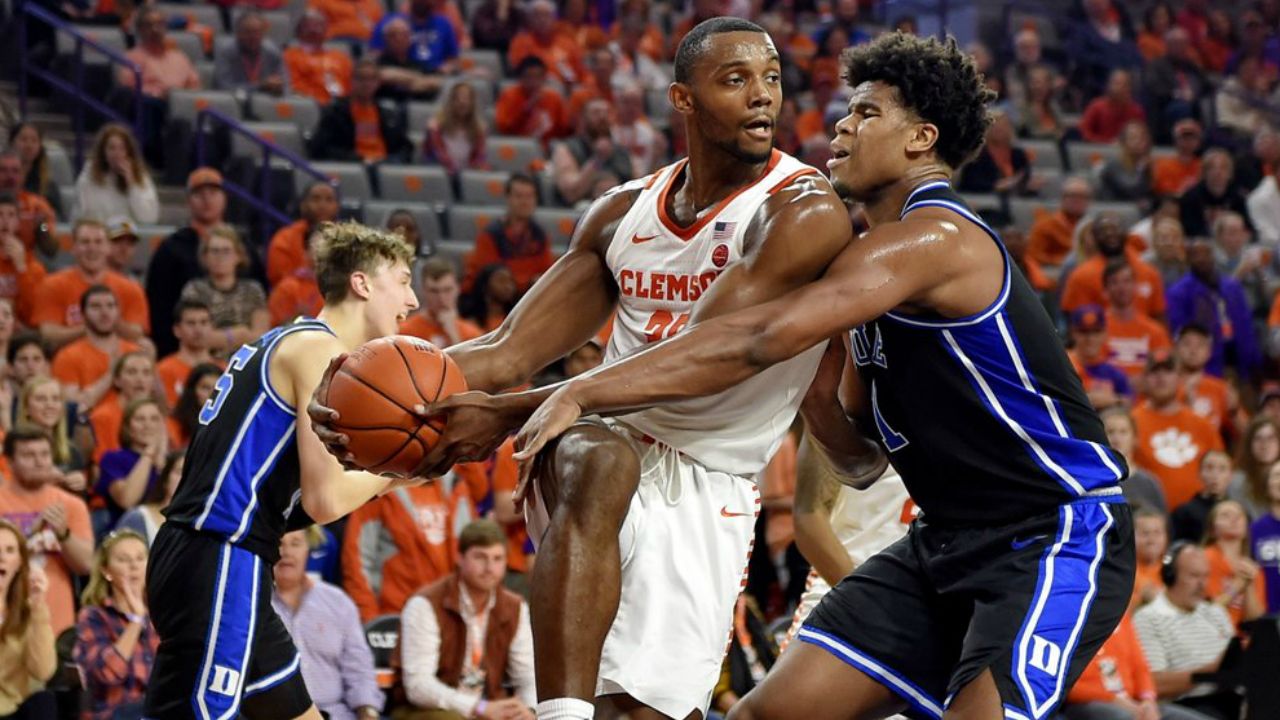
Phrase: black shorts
x=1031 y=601
x=223 y=650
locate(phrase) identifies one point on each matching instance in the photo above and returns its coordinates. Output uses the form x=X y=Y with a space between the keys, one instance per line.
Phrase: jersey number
x=662 y=325
x=223 y=387
x=893 y=440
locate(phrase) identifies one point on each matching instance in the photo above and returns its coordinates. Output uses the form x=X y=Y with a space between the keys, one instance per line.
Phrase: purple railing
x=269 y=217
x=74 y=89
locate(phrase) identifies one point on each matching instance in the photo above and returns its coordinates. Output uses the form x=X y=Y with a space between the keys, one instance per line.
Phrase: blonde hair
x=58 y=436
x=473 y=125
x=1211 y=534
x=98 y=167
x=343 y=248
x=99 y=586
x=226 y=232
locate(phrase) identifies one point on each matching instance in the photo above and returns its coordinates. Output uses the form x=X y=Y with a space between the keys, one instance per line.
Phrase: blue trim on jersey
x=264 y=432
x=229 y=641
x=274 y=679
x=287 y=438
x=1065 y=590
x=934 y=185
x=281 y=332
x=894 y=681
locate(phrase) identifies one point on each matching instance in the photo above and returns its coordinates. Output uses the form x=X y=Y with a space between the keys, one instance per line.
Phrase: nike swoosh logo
x=724 y=512
x=637 y=239
x=1020 y=544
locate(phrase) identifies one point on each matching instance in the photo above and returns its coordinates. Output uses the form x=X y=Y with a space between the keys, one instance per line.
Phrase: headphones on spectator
x=1169 y=563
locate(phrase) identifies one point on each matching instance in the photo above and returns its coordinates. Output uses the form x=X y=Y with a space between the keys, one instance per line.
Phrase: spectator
x=1001 y=166
x=164 y=67
x=1255 y=163
x=357 y=128
x=41 y=406
x=455 y=137
x=54 y=522
x=239 y=304
x=530 y=108
x=435 y=634
x=437 y=321
x=27 y=357
x=57 y=312
x=1248 y=263
x=27 y=140
x=493 y=293
x=634 y=65
x=1263 y=205
x=585 y=358
x=1256 y=41
x=351 y=20
x=1027 y=56
x=20 y=272
x=495 y=23
x=699 y=11
x=298 y=294
x=1265 y=533
x=35 y=215
x=145 y=518
x=601 y=65
x=1104 y=383
x=1235 y=580
x=1174 y=82
x=1175 y=175
x=1141 y=489
x=176 y=261
x=1106 y=116
x=115 y=641
x=634 y=134
x=1169 y=248
x=1206 y=297
x=1039 y=114
x=1086 y=283
x=1127 y=177
x=1183 y=634
x=402 y=77
x=1217 y=192
x=751 y=654
x=83 y=366
x=335 y=659
x=1116 y=683
x=1194 y=19
x=315 y=71
x=28 y=658
x=1210 y=397
x=434 y=45
x=580 y=162
x=115 y=181
x=1050 y=238
x=515 y=240
x=1171 y=437
x=559 y=54
x=1099 y=44
x=403 y=222
x=198 y=387
x=252 y=62
x=1187 y=522
x=134 y=378
x=1157 y=21
x=1151 y=540
x=193 y=322
x=1256 y=453
x=287 y=251
x=123 y=235
x=1243 y=101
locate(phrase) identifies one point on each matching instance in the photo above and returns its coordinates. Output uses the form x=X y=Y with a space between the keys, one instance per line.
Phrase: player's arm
x=816 y=492
x=834 y=399
x=920 y=262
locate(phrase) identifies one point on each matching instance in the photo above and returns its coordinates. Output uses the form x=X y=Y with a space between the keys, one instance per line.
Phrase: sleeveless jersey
x=983 y=416
x=661 y=270
x=240 y=480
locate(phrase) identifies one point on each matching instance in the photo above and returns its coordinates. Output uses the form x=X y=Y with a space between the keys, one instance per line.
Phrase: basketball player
x=1022 y=561
x=620 y=500
x=253 y=473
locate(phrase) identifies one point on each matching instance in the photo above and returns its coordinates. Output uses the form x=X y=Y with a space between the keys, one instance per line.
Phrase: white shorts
x=684 y=544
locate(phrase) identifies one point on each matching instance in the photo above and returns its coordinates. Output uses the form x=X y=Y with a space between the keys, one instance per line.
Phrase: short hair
x=694 y=43
x=1146 y=511
x=189 y=304
x=1224 y=217
x=23 y=339
x=1195 y=329
x=481 y=534
x=348 y=247
x=8 y=198
x=1114 y=267
x=248 y=14
x=519 y=177
x=83 y=223
x=24 y=433
x=1210 y=453
x=436 y=268
x=936 y=81
x=91 y=292
x=530 y=62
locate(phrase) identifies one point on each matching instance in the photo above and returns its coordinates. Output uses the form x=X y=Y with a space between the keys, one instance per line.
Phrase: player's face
x=873 y=143
x=1151 y=537
x=1194 y=350
x=44 y=404
x=1119 y=433
x=1215 y=473
x=391 y=298
x=127 y=564
x=292 y=566
x=483 y=567
x=29 y=362
x=1265 y=444
x=102 y=313
x=193 y=328
x=735 y=94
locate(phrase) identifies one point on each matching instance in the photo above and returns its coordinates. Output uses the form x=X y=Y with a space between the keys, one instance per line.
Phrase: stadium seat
x=110 y=37
x=352 y=177
x=559 y=225
x=186 y=104
x=418 y=113
x=297 y=109
x=466 y=222
x=414 y=183
x=377 y=212
x=205 y=71
x=489 y=61
x=190 y=44
x=383 y=635
x=1083 y=156
x=483 y=187
x=1044 y=153
x=283 y=135
x=280 y=27
x=1126 y=211
x=60 y=171
x=514 y=154
x=209 y=15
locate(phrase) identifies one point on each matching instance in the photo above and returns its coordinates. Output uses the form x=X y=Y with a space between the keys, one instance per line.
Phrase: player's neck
x=347 y=322
x=713 y=174
x=886 y=205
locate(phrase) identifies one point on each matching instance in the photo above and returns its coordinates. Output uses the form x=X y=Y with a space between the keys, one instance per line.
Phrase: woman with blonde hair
x=455 y=136
x=238 y=305
x=1235 y=581
x=27 y=654
x=41 y=405
x=115 y=182
x=115 y=641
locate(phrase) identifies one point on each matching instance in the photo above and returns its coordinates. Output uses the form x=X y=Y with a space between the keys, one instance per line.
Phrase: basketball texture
x=374 y=391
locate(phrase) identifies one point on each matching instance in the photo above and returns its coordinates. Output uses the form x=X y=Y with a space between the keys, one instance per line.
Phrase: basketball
x=374 y=391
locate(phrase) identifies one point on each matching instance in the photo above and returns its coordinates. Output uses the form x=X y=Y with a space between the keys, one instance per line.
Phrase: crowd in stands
x=1132 y=168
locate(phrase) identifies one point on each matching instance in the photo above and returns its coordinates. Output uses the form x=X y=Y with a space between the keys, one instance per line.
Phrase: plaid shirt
x=110 y=679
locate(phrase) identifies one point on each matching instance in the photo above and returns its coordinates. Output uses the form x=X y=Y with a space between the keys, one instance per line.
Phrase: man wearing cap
x=123 y=235
x=1131 y=335
x=1171 y=436
x=1106 y=384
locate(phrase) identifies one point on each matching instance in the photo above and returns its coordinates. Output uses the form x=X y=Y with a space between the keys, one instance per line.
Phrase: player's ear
x=681 y=98
x=923 y=137
x=360 y=285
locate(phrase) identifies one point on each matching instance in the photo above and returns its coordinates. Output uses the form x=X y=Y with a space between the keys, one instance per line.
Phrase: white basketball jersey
x=868 y=521
x=661 y=270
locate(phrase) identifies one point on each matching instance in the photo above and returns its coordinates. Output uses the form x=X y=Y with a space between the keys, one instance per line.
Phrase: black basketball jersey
x=983 y=416
x=240 y=480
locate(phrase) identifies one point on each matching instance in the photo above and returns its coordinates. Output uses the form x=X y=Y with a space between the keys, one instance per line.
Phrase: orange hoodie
x=1119 y=668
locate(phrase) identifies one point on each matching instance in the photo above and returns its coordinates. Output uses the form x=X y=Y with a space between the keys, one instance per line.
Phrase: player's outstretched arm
x=816 y=493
